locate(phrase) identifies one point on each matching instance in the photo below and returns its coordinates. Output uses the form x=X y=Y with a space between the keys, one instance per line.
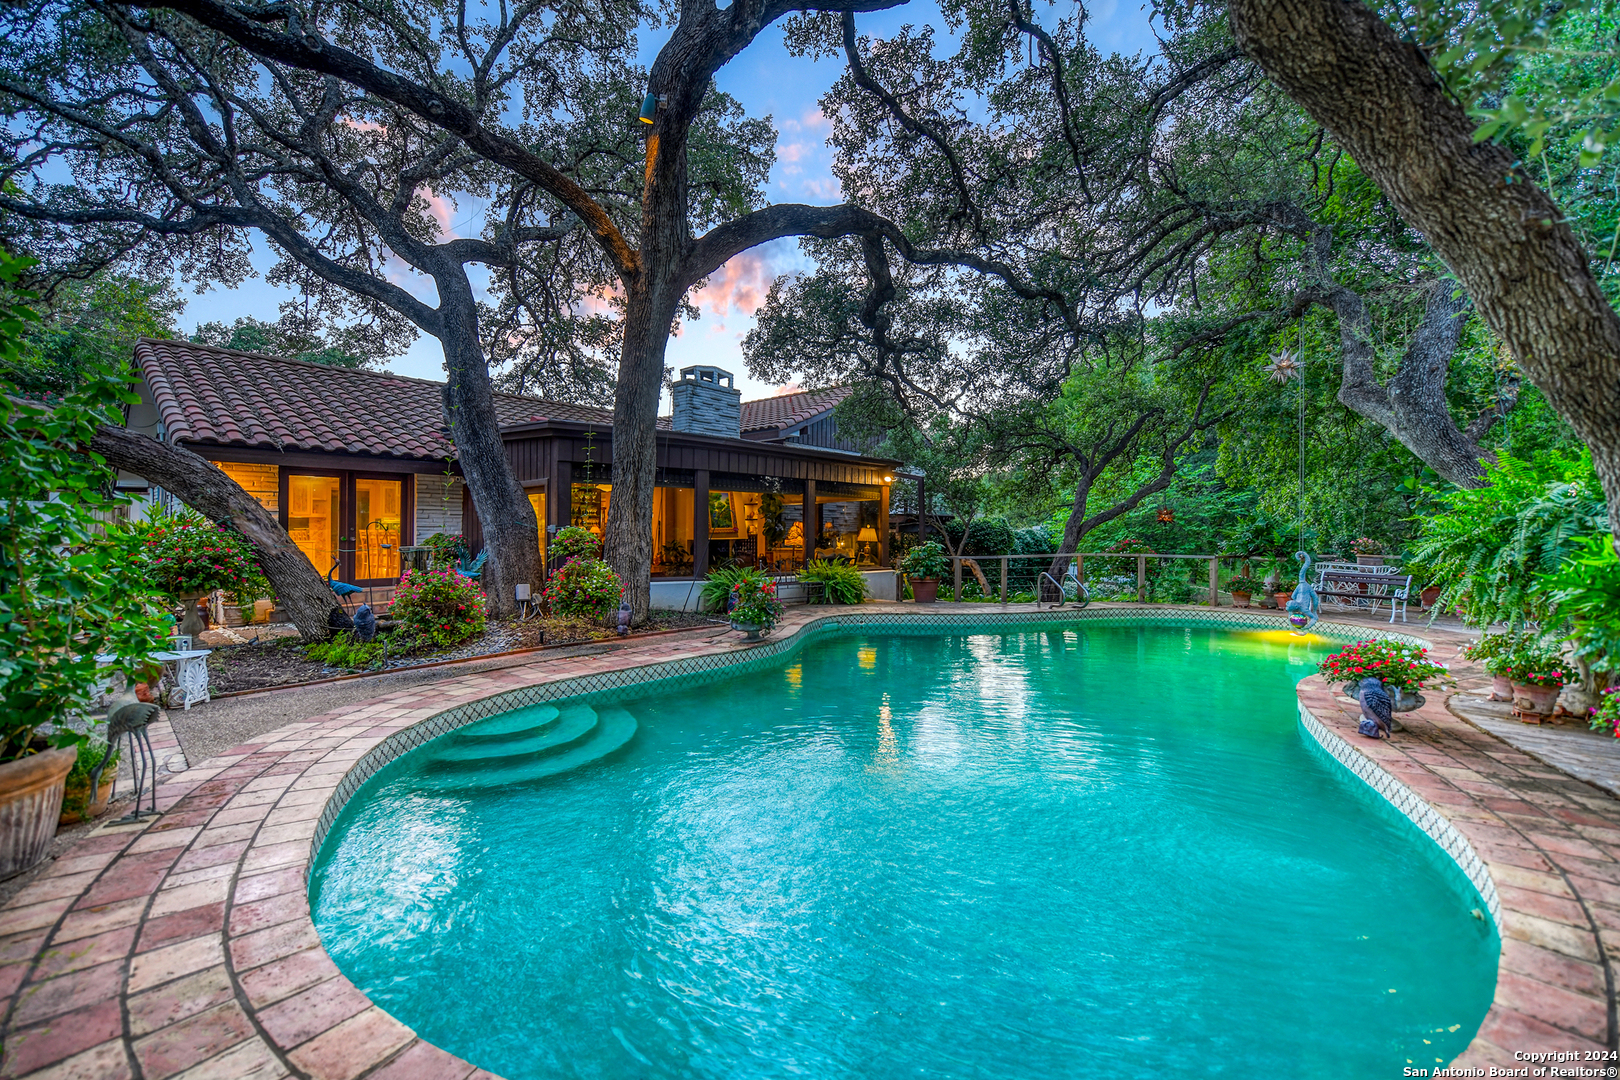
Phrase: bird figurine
x=1377 y=710
x=1304 y=608
x=128 y=715
x=365 y=623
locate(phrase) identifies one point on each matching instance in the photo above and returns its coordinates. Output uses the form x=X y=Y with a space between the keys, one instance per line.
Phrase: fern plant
x=844 y=584
x=1490 y=546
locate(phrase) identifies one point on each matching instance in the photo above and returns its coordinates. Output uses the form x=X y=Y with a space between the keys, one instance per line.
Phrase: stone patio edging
x=182 y=948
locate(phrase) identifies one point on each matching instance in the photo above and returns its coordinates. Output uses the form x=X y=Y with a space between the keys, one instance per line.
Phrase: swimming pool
x=1087 y=850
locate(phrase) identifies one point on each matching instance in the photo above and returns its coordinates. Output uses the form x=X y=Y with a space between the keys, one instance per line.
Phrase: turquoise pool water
x=1084 y=852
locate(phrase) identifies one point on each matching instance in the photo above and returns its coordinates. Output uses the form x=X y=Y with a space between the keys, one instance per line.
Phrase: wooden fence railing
x=1079 y=559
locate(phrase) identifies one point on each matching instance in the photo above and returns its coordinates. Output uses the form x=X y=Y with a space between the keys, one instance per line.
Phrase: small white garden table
x=190 y=670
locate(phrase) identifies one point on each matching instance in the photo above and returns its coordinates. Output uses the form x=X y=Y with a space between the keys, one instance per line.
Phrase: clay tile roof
x=228 y=398
x=789 y=409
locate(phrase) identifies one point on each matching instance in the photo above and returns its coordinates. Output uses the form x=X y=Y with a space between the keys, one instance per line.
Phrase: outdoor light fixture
x=888 y=479
x=649 y=106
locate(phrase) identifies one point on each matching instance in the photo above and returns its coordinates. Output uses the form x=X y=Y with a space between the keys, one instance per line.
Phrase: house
x=358 y=464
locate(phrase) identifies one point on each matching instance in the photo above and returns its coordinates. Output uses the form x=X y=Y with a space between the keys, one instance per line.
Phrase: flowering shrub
x=1606 y=717
x=1244 y=584
x=573 y=542
x=185 y=554
x=1536 y=663
x=1366 y=545
x=1494 y=651
x=756 y=604
x=445 y=549
x=1405 y=666
x=438 y=608
x=584 y=587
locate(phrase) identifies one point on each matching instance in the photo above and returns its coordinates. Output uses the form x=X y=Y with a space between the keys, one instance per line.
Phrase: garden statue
x=195 y=620
x=625 y=612
x=365 y=623
x=1304 y=607
x=126 y=714
x=1377 y=710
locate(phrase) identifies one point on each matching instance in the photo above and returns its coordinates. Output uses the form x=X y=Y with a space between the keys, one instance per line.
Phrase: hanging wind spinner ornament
x=1284 y=366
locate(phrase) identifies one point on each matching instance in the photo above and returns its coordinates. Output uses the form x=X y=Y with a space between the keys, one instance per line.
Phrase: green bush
x=718 y=585
x=843 y=584
x=1586 y=591
x=585 y=588
x=573 y=542
x=347 y=651
x=445 y=550
x=185 y=554
x=439 y=608
x=1171 y=589
x=926 y=560
x=1251 y=585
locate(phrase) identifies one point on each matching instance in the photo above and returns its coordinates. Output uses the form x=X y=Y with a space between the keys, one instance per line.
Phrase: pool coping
x=183 y=946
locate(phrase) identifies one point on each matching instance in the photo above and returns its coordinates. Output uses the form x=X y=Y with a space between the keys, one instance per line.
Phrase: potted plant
x=1369 y=552
x=1284 y=591
x=925 y=565
x=1403 y=670
x=1605 y=716
x=79 y=803
x=1494 y=652
x=754 y=607
x=1242 y=588
x=1537 y=671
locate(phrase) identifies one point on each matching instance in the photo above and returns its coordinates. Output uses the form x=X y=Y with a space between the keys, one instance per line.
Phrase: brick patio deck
x=183 y=947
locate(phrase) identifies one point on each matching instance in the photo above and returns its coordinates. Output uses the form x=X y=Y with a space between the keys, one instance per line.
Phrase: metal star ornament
x=1285 y=365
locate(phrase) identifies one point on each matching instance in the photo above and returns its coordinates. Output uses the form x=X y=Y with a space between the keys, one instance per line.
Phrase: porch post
x=559 y=499
x=1214 y=581
x=1141 y=579
x=812 y=520
x=883 y=527
x=700 y=523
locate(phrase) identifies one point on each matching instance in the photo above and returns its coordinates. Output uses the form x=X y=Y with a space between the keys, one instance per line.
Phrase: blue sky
x=768 y=81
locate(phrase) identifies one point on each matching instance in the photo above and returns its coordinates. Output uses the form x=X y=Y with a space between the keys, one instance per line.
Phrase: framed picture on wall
x=722 y=515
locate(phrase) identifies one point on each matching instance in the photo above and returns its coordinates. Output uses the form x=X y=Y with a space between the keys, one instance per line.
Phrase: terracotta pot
x=30 y=803
x=925 y=590
x=1240 y=599
x=1501 y=688
x=1536 y=699
x=1429 y=596
x=1282 y=599
x=89 y=809
x=1369 y=560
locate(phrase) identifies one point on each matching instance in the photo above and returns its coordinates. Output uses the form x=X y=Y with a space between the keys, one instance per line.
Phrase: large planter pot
x=1240 y=599
x=1429 y=596
x=925 y=590
x=1369 y=560
x=30 y=803
x=1282 y=599
x=1501 y=688
x=78 y=804
x=1399 y=700
x=1536 y=699
x=751 y=629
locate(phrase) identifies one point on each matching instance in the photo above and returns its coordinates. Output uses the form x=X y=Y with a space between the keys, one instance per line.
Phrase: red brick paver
x=182 y=946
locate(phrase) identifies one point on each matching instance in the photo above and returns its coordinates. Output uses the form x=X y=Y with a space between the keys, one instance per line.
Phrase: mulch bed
x=281 y=661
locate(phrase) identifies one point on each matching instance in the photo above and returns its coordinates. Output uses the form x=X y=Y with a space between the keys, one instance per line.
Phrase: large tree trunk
x=1501 y=235
x=300 y=590
x=511 y=532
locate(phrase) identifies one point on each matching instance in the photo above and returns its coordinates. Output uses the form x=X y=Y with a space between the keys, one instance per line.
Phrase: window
x=377 y=510
x=314 y=521
x=672 y=531
x=537 y=500
x=259 y=481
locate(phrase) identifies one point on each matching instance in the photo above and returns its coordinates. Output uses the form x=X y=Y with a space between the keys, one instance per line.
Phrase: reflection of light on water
x=888 y=749
x=868 y=658
x=795 y=675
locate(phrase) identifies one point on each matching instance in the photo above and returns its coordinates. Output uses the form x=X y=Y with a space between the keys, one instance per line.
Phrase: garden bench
x=1352 y=585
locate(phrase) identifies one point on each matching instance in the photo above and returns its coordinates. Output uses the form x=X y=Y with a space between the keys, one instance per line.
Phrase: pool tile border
x=183 y=948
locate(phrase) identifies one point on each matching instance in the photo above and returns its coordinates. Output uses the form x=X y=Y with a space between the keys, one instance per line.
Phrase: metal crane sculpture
x=128 y=715
x=1304 y=607
x=1377 y=710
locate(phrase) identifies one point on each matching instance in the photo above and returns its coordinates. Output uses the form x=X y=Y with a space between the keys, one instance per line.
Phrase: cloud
x=787 y=389
x=824 y=188
x=443 y=211
x=740 y=284
x=793 y=151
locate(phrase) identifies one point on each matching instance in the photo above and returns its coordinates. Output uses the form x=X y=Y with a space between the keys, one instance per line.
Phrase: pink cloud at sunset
x=740 y=284
x=787 y=390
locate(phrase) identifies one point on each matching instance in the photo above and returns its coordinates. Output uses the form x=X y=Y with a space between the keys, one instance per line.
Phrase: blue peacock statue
x=1304 y=607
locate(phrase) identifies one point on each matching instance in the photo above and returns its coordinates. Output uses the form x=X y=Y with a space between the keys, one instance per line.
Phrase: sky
x=767 y=81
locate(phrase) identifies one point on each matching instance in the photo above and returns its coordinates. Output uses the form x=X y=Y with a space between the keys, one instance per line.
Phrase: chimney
x=706 y=403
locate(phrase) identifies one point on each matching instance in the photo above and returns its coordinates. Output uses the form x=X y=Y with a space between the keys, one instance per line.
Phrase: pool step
x=518 y=722
x=613 y=729
x=573 y=724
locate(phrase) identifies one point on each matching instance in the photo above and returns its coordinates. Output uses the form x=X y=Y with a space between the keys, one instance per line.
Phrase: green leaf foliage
x=843 y=583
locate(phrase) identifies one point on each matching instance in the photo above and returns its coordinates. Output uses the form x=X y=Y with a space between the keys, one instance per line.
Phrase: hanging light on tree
x=1284 y=366
x=649 y=107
